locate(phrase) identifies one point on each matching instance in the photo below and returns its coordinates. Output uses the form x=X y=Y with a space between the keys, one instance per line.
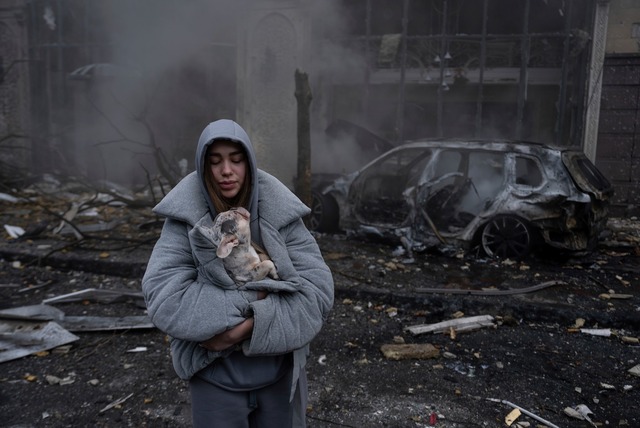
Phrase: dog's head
x=230 y=229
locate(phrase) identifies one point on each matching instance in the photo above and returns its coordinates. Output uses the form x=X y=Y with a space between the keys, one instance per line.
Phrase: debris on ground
x=21 y=338
x=458 y=325
x=581 y=411
x=534 y=358
x=416 y=351
x=526 y=412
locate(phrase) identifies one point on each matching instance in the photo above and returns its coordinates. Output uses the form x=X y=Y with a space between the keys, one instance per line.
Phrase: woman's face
x=228 y=164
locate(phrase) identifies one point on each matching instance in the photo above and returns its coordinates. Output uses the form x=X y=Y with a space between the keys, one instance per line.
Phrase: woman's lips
x=227 y=185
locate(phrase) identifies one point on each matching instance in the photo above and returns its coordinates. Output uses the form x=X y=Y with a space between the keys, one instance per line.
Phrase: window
x=528 y=172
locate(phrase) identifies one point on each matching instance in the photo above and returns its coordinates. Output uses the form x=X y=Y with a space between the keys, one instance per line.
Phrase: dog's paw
x=273 y=275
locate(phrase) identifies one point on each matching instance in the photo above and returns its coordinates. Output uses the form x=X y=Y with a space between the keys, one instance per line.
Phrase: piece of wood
x=409 y=351
x=459 y=325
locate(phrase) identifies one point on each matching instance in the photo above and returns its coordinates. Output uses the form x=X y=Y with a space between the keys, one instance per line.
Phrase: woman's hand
x=228 y=338
x=234 y=335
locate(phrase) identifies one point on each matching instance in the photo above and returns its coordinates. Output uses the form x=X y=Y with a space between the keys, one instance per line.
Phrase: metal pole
x=562 y=96
x=443 y=47
x=483 y=59
x=403 y=66
x=524 y=64
x=367 y=71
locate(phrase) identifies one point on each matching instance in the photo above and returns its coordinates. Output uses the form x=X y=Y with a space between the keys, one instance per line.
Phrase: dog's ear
x=210 y=233
x=226 y=245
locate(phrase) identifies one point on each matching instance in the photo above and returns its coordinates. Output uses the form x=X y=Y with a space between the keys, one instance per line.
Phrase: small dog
x=232 y=234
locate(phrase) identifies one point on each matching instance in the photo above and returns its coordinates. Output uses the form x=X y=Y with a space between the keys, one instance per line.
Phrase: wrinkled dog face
x=231 y=233
x=231 y=229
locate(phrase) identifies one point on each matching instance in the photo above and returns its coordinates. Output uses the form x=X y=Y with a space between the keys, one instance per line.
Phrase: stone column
x=271 y=46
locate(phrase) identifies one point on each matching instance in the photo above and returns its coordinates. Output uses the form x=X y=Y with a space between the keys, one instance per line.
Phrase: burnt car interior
x=378 y=192
x=464 y=184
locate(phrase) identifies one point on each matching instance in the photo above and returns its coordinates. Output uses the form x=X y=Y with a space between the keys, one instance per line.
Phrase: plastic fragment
x=512 y=416
x=581 y=411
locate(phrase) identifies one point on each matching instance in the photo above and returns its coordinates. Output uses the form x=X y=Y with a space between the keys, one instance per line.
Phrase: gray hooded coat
x=190 y=296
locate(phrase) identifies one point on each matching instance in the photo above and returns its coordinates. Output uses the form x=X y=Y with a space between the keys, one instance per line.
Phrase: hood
x=229 y=130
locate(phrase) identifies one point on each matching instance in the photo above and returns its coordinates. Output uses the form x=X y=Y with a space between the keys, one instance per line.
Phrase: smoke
x=158 y=35
x=174 y=69
x=337 y=65
x=340 y=155
x=175 y=64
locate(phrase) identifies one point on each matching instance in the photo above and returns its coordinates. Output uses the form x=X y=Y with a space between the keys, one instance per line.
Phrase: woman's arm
x=286 y=321
x=180 y=301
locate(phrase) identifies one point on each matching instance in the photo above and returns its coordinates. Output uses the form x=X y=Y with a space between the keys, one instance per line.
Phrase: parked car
x=504 y=198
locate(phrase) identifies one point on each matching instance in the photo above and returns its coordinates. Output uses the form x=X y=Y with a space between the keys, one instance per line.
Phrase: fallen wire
x=491 y=292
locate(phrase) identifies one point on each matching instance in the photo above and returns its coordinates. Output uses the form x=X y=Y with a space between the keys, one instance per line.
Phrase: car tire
x=507 y=236
x=324 y=213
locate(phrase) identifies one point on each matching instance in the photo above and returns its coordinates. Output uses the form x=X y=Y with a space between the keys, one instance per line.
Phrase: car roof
x=502 y=145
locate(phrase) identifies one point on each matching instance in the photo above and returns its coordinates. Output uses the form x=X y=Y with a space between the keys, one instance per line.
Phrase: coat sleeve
x=286 y=321
x=181 y=299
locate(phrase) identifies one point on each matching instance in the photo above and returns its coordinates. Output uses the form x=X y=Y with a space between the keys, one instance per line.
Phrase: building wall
x=272 y=45
x=14 y=88
x=618 y=152
x=623 y=34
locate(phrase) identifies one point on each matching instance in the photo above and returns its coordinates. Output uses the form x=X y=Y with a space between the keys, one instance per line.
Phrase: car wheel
x=324 y=213
x=506 y=237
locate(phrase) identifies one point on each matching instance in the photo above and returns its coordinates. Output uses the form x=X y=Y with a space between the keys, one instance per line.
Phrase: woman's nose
x=226 y=167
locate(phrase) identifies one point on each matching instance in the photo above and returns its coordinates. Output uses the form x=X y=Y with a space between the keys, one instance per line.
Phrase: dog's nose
x=228 y=226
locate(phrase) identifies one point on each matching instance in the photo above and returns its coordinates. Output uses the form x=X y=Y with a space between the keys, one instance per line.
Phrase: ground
x=535 y=355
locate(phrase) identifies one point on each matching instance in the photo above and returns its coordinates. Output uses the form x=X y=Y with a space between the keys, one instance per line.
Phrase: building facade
x=90 y=81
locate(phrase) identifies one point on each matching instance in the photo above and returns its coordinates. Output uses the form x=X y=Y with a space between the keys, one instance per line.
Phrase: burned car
x=502 y=198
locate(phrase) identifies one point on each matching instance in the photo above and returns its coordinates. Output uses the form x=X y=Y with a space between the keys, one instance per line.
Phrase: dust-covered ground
x=570 y=344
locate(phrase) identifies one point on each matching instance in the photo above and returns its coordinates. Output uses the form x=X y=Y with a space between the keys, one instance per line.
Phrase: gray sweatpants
x=268 y=407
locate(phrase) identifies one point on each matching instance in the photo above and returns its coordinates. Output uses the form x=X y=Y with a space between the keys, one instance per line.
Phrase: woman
x=243 y=349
